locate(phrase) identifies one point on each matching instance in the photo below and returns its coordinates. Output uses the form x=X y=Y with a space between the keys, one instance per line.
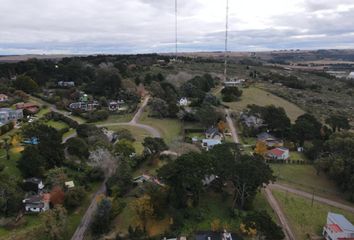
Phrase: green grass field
x=171 y=129
x=304 y=218
x=304 y=177
x=117 y=118
x=11 y=165
x=254 y=95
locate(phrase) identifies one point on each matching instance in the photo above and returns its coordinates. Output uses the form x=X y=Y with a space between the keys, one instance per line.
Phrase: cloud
x=141 y=26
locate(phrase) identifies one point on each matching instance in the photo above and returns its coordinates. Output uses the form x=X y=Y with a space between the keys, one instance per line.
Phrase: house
x=33 y=185
x=269 y=140
x=7 y=115
x=115 y=105
x=209 y=179
x=183 y=102
x=351 y=76
x=3 y=98
x=69 y=184
x=28 y=108
x=66 y=84
x=214 y=236
x=37 y=203
x=213 y=133
x=148 y=179
x=84 y=106
x=338 y=228
x=234 y=83
x=31 y=141
x=251 y=121
x=279 y=153
x=208 y=144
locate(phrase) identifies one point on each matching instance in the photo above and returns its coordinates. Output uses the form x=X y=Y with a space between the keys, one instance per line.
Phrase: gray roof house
x=338 y=228
x=7 y=115
x=213 y=133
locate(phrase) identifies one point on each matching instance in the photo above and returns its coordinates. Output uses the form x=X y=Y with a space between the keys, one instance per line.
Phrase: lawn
x=170 y=129
x=11 y=165
x=117 y=118
x=303 y=217
x=138 y=133
x=304 y=177
x=58 y=125
x=261 y=204
x=254 y=95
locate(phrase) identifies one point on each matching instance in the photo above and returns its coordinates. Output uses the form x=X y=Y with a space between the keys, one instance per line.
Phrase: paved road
x=309 y=196
x=289 y=235
x=232 y=126
x=87 y=218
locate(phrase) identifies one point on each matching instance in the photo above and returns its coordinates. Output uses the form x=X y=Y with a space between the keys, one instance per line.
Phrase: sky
x=146 y=26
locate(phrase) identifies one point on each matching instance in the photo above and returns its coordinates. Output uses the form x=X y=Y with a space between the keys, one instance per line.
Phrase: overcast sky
x=142 y=26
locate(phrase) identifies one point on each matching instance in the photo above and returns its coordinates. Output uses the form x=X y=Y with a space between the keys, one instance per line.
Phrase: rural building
x=33 y=185
x=213 y=133
x=28 y=108
x=208 y=144
x=115 y=105
x=66 y=84
x=234 y=83
x=269 y=140
x=3 y=98
x=69 y=184
x=338 y=228
x=84 y=106
x=251 y=121
x=7 y=115
x=279 y=153
x=37 y=203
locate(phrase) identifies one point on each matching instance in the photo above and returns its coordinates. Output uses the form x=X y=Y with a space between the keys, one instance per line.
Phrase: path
x=289 y=235
x=232 y=126
x=310 y=196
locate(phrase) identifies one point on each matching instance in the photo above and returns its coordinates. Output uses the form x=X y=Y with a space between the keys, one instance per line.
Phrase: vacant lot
x=254 y=95
x=304 y=177
x=303 y=217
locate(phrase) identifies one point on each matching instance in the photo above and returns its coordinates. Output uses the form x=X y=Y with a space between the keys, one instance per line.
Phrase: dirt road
x=232 y=126
x=309 y=196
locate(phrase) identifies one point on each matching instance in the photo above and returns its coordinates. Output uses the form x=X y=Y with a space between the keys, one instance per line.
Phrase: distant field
x=254 y=95
x=304 y=218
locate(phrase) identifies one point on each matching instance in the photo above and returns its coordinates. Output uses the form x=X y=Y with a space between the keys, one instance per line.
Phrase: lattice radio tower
x=176 y=33
x=226 y=39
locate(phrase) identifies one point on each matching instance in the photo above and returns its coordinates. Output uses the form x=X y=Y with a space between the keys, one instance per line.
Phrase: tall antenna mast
x=176 y=39
x=226 y=36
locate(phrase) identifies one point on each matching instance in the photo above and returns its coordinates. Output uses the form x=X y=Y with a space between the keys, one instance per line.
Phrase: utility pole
x=176 y=36
x=313 y=197
x=226 y=36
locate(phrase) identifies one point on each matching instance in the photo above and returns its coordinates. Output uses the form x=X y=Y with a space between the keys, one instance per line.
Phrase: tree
x=266 y=228
x=74 y=197
x=125 y=134
x=107 y=82
x=124 y=148
x=50 y=147
x=32 y=163
x=154 y=146
x=158 y=199
x=78 y=147
x=143 y=209
x=261 y=148
x=26 y=84
x=7 y=146
x=208 y=116
x=249 y=173
x=55 y=222
x=56 y=177
x=159 y=108
x=338 y=122
x=184 y=177
x=102 y=219
x=231 y=94
x=121 y=181
x=57 y=196
x=306 y=127
x=11 y=195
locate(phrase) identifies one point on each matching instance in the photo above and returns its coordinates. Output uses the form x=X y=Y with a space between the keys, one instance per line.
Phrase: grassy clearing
x=116 y=118
x=304 y=177
x=58 y=125
x=11 y=165
x=304 y=218
x=138 y=133
x=261 y=204
x=170 y=129
x=254 y=95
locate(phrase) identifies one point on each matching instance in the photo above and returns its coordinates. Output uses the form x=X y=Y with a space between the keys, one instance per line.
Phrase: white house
x=234 y=83
x=208 y=144
x=338 y=228
x=7 y=115
x=183 y=102
x=3 y=98
x=279 y=153
x=37 y=203
x=66 y=84
x=351 y=75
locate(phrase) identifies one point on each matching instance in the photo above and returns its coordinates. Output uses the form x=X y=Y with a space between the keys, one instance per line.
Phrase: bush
x=78 y=147
x=74 y=197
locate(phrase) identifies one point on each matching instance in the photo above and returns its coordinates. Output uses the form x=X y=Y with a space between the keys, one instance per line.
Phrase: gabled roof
x=264 y=136
x=211 y=142
x=278 y=151
x=341 y=221
x=32 y=180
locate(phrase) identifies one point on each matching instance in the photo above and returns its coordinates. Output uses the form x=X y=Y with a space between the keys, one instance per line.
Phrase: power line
x=226 y=38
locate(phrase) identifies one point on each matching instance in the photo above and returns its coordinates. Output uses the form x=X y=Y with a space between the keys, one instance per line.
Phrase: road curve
x=310 y=196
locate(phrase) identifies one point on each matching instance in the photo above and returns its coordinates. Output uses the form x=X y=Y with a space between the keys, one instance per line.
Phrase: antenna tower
x=226 y=38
